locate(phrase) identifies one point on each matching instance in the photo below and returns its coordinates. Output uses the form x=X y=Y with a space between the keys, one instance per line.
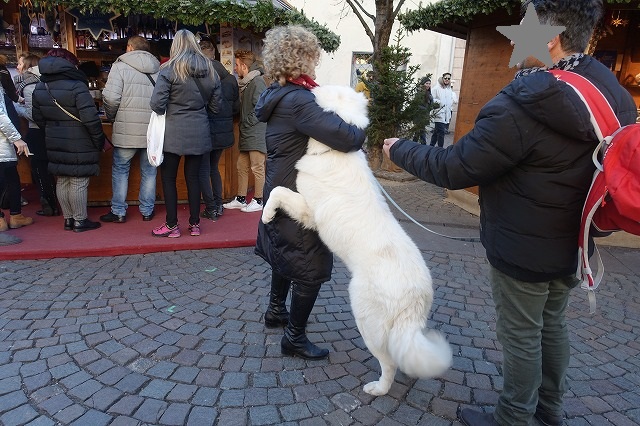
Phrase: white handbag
x=155 y=139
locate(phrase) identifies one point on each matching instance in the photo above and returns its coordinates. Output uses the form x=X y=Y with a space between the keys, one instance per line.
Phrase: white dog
x=390 y=288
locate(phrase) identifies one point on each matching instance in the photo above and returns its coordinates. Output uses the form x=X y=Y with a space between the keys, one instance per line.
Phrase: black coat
x=293 y=116
x=221 y=124
x=73 y=147
x=530 y=153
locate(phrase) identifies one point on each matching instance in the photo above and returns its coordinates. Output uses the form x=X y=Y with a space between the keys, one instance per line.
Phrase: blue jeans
x=210 y=179
x=120 y=181
x=439 y=130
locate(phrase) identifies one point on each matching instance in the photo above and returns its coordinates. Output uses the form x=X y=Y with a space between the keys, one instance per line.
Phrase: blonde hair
x=289 y=52
x=185 y=55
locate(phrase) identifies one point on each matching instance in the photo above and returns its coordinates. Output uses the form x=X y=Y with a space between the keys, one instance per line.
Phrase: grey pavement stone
x=92 y=340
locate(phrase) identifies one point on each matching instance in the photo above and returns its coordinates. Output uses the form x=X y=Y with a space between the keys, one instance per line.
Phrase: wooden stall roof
x=258 y=15
x=455 y=17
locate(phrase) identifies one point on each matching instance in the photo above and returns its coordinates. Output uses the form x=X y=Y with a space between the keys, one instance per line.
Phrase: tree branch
x=358 y=14
x=395 y=12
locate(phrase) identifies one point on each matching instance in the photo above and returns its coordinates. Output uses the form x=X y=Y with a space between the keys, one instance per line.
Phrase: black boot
x=295 y=342
x=277 y=315
x=68 y=224
x=85 y=225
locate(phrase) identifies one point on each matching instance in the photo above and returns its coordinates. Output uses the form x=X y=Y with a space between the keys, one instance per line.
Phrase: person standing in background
x=64 y=108
x=35 y=139
x=126 y=102
x=252 y=144
x=445 y=97
x=10 y=142
x=222 y=137
x=187 y=91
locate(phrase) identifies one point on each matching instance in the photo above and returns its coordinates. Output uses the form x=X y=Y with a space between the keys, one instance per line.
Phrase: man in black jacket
x=530 y=153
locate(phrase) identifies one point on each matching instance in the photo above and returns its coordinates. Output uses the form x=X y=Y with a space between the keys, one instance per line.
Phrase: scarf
x=242 y=83
x=567 y=63
x=304 y=80
x=29 y=78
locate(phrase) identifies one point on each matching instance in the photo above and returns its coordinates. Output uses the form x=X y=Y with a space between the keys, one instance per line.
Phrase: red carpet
x=47 y=239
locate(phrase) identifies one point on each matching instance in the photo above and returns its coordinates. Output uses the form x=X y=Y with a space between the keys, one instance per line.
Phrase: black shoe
x=302 y=348
x=111 y=217
x=48 y=211
x=148 y=217
x=471 y=417
x=85 y=225
x=547 y=419
x=208 y=214
x=218 y=210
x=68 y=224
x=276 y=320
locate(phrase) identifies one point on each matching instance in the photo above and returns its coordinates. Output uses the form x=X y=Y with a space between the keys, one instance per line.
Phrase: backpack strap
x=605 y=124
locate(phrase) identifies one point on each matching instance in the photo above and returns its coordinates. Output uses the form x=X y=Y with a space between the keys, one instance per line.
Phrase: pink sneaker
x=165 y=231
x=195 y=230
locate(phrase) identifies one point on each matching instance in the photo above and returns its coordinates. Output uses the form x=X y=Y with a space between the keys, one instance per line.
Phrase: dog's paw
x=376 y=388
x=268 y=213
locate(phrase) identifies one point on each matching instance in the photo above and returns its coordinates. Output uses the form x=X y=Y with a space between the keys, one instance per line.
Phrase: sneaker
x=234 y=204
x=253 y=206
x=112 y=217
x=164 y=231
x=208 y=214
x=195 y=230
x=218 y=210
x=19 y=220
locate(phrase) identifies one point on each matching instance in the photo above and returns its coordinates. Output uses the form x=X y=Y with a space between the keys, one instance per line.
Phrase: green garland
x=460 y=12
x=258 y=16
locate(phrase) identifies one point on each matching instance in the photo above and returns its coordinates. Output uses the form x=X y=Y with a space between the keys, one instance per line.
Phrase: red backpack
x=613 y=201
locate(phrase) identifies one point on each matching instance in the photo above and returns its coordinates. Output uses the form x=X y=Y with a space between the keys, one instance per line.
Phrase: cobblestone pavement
x=176 y=338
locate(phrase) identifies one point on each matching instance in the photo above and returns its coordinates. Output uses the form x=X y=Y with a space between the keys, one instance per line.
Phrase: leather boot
x=19 y=220
x=295 y=341
x=85 y=225
x=277 y=315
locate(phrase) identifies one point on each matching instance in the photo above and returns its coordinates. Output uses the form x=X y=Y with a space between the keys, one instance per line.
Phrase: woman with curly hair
x=298 y=258
x=187 y=90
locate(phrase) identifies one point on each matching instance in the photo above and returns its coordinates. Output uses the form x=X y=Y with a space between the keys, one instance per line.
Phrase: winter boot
x=19 y=220
x=277 y=315
x=295 y=341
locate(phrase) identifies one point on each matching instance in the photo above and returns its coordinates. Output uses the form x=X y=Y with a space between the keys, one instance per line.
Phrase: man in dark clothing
x=530 y=153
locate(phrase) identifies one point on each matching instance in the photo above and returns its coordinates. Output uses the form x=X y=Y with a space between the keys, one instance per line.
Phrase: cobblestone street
x=177 y=338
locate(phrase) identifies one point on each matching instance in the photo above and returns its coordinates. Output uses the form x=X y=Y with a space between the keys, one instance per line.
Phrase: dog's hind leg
x=382 y=385
x=292 y=203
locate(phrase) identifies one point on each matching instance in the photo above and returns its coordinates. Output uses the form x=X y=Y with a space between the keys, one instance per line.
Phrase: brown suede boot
x=3 y=224
x=19 y=220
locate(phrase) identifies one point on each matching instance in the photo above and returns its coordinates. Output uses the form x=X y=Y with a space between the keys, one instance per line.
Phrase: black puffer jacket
x=293 y=116
x=222 y=123
x=73 y=147
x=530 y=152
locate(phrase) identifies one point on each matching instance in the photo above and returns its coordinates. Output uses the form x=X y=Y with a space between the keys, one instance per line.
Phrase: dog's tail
x=419 y=353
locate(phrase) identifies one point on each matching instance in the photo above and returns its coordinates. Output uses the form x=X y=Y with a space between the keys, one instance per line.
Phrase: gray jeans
x=532 y=330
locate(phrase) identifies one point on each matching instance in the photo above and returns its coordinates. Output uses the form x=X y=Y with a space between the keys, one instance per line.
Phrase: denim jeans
x=439 y=130
x=210 y=179
x=120 y=181
x=531 y=326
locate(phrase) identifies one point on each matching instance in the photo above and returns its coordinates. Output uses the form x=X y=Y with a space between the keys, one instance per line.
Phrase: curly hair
x=289 y=52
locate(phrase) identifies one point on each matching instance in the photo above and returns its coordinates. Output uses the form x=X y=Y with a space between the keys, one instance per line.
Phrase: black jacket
x=221 y=123
x=73 y=147
x=293 y=116
x=530 y=153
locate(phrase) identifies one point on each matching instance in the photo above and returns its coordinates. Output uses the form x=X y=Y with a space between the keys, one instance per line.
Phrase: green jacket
x=252 y=131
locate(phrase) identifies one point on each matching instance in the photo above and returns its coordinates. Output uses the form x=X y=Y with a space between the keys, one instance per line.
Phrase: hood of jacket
x=141 y=61
x=54 y=68
x=271 y=97
x=35 y=70
x=553 y=103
